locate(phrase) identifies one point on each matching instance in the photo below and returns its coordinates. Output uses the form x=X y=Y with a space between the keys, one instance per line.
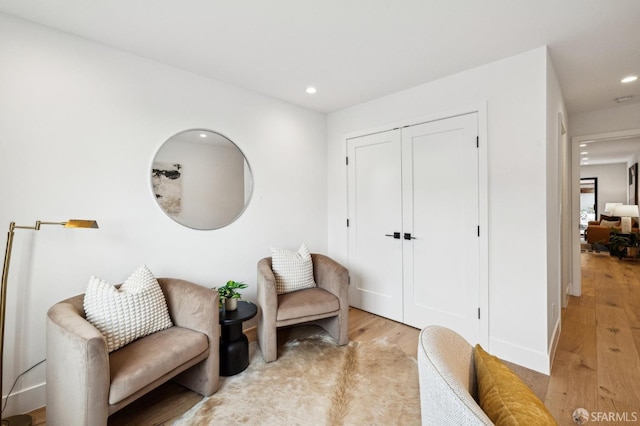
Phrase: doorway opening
x=588 y=203
x=578 y=142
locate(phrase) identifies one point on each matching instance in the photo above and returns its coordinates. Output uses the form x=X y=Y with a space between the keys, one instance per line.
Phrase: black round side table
x=234 y=345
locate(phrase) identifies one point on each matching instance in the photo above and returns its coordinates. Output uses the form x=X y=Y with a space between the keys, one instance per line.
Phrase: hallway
x=597 y=362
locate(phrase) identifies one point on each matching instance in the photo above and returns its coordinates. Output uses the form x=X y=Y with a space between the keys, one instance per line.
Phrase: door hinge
x=477 y=141
x=347 y=158
x=478 y=313
x=347 y=223
x=478 y=230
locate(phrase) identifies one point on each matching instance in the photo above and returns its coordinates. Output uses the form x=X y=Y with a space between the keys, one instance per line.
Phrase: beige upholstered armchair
x=448 y=385
x=86 y=383
x=326 y=305
x=464 y=385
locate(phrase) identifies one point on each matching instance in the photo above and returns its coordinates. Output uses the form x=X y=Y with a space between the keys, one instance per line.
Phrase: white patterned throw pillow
x=124 y=314
x=293 y=270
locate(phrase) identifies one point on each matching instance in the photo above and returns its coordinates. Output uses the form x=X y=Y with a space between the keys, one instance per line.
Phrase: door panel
x=441 y=263
x=375 y=209
x=421 y=181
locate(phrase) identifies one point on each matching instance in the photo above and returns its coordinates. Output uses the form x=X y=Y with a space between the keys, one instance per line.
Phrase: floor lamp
x=23 y=420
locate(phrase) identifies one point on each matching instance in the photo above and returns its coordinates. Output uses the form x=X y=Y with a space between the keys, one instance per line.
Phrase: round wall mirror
x=201 y=179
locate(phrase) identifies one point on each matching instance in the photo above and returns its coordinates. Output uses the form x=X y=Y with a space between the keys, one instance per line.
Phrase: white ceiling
x=609 y=151
x=358 y=50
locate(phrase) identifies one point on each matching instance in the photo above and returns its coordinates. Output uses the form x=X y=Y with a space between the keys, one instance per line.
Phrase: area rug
x=315 y=382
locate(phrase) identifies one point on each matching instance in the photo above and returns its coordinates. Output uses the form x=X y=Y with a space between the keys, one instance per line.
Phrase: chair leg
x=336 y=328
x=268 y=342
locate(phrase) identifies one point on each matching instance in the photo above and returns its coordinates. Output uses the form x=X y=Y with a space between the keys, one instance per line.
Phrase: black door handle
x=395 y=235
x=407 y=236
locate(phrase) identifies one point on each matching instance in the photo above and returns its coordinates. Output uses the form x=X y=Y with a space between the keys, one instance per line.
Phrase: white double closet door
x=413 y=224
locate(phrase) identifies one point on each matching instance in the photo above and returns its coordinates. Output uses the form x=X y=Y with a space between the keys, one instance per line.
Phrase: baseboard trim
x=520 y=355
x=25 y=400
x=251 y=333
x=554 y=343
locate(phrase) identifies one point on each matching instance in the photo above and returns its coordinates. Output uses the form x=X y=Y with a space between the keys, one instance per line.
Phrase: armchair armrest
x=268 y=308
x=598 y=234
x=330 y=275
x=196 y=307
x=267 y=294
x=334 y=278
x=78 y=361
x=191 y=306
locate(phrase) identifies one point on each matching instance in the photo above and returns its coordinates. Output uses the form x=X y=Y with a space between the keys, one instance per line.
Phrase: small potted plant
x=229 y=294
x=624 y=245
x=618 y=244
x=634 y=245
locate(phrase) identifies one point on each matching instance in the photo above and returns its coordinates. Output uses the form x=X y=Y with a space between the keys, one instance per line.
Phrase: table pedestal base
x=234 y=350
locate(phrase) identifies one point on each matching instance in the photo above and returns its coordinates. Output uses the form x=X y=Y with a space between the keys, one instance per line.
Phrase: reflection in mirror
x=201 y=179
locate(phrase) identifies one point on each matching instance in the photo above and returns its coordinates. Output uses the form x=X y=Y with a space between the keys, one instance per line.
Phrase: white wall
x=612 y=183
x=514 y=90
x=558 y=222
x=79 y=126
x=612 y=119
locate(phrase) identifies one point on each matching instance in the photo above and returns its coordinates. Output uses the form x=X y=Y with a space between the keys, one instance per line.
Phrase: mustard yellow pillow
x=504 y=398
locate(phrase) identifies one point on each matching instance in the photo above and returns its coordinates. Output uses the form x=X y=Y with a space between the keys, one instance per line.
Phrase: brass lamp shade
x=80 y=223
x=23 y=420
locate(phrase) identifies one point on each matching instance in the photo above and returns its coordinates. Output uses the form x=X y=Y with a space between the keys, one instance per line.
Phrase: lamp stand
x=22 y=419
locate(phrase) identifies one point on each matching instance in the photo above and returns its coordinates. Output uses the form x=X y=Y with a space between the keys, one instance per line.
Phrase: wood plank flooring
x=597 y=362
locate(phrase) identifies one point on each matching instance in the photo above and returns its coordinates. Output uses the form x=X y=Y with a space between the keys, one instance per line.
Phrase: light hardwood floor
x=597 y=366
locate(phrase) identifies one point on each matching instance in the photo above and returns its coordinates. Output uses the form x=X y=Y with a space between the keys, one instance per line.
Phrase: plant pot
x=230 y=304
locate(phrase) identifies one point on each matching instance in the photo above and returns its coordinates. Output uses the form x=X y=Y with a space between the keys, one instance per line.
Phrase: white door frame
x=565 y=213
x=483 y=191
x=576 y=284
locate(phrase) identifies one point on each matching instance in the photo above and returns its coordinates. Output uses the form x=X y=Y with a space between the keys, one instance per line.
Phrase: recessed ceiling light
x=311 y=90
x=585 y=158
x=582 y=145
x=203 y=135
x=629 y=79
x=584 y=152
x=585 y=163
